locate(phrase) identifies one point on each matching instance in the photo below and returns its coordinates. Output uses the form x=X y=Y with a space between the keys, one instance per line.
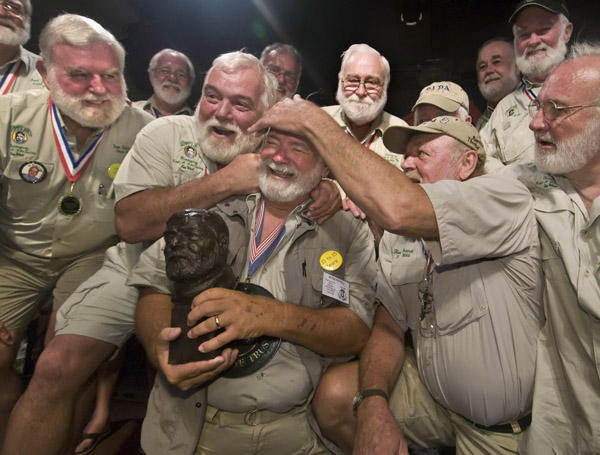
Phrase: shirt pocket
x=312 y=274
x=23 y=197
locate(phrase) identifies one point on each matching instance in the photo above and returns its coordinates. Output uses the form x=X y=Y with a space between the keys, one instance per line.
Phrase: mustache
x=281 y=168
x=215 y=123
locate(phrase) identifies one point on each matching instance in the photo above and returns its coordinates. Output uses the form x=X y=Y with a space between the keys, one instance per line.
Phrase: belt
x=516 y=426
x=249 y=418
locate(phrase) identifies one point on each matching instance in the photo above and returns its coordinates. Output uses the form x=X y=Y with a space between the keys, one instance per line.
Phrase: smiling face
x=86 y=83
x=14 y=23
x=283 y=65
x=170 y=79
x=290 y=168
x=431 y=157
x=497 y=73
x=230 y=104
x=540 y=41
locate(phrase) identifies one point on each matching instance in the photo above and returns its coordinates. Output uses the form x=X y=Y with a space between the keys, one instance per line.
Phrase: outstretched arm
x=383 y=191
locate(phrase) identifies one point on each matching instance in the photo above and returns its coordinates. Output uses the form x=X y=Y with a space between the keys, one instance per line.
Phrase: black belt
x=523 y=423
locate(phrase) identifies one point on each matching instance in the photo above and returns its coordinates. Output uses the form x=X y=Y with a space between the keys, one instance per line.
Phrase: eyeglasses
x=276 y=71
x=15 y=9
x=371 y=85
x=167 y=72
x=427 y=316
x=550 y=110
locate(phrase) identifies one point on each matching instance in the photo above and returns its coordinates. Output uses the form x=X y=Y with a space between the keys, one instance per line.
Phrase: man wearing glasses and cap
x=17 y=65
x=459 y=266
x=541 y=32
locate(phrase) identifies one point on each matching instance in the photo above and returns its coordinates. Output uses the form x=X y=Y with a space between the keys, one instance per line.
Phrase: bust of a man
x=195 y=253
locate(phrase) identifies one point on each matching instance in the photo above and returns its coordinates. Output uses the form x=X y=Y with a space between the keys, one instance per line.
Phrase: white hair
x=365 y=49
x=156 y=57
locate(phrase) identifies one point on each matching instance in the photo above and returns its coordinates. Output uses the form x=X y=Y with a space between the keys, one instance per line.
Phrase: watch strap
x=368 y=393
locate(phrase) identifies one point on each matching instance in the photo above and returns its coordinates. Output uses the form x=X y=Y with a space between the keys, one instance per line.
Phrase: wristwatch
x=358 y=399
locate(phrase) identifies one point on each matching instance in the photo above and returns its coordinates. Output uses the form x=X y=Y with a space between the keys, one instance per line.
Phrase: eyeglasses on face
x=287 y=75
x=13 y=8
x=165 y=71
x=353 y=83
x=550 y=110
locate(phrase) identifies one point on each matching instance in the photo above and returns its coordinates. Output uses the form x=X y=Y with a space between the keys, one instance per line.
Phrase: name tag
x=336 y=288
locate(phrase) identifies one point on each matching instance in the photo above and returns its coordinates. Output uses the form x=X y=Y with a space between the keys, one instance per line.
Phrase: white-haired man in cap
x=460 y=267
x=441 y=98
x=566 y=192
x=172 y=77
x=497 y=74
x=17 y=65
x=541 y=30
x=55 y=228
x=285 y=63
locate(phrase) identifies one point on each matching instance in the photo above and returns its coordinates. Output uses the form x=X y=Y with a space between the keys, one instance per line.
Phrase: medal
x=70 y=205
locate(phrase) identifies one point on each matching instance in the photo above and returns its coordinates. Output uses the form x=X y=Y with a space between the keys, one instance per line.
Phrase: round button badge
x=331 y=260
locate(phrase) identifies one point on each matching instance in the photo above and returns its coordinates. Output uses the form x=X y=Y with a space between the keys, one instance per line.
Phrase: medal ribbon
x=259 y=253
x=528 y=92
x=72 y=168
x=368 y=144
x=9 y=78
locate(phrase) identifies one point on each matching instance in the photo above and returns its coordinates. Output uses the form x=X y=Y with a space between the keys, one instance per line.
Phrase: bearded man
x=172 y=77
x=321 y=278
x=177 y=162
x=541 y=32
x=17 y=65
x=55 y=229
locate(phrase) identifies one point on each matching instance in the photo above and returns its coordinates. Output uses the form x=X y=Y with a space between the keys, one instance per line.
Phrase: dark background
x=441 y=46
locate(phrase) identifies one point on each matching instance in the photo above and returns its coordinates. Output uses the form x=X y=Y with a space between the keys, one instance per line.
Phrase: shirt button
x=198 y=405
x=586 y=274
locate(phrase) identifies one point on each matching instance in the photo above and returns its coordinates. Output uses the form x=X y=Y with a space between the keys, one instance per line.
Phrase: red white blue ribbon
x=260 y=252
x=9 y=78
x=73 y=168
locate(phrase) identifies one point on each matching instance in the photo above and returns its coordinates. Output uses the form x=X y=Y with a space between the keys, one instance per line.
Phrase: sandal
x=96 y=439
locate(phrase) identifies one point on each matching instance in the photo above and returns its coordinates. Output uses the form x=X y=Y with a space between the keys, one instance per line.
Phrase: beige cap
x=396 y=137
x=445 y=95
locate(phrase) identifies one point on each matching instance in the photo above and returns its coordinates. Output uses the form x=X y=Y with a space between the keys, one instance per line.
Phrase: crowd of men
x=399 y=288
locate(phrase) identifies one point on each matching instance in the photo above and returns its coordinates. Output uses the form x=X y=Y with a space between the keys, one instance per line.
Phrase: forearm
x=153 y=313
x=382 y=358
x=143 y=216
x=328 y=331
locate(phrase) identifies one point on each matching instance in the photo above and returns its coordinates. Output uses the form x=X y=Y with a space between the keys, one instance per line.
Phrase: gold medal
x=331 y=260
x=70 y=205
x=113 y=169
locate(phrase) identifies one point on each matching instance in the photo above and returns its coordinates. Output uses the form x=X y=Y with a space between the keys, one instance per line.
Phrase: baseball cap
x=396 y=137
x=445 y=95
x=553 y=6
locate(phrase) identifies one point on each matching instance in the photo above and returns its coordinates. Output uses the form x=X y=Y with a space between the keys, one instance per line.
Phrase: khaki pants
x=258 y=433
x=425 y=423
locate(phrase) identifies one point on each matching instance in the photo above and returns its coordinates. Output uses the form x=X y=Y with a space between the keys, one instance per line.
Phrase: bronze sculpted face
x=196 y=243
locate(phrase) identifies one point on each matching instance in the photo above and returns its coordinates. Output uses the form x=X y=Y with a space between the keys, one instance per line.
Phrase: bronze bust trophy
x=196 y=253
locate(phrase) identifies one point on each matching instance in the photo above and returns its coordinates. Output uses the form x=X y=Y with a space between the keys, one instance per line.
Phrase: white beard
x=539 y=66
x=360 y=110
x=571 y=154
x=491 y=91
x=13 y=36
x=170 y=96
x=287 y=191
x=223 y=151
x=82 y=113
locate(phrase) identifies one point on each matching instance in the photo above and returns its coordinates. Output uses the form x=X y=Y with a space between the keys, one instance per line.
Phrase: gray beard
x=571 y=154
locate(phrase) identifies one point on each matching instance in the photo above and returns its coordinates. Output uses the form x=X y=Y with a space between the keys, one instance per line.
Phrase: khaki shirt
x=28 y=77
x=30 y=222
x=374 y=140
x=166 y=154
x=506 y=136
x=174 y=420
x=566 y=402
x=149 y=106
x=486 y=286
x=485 y=117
